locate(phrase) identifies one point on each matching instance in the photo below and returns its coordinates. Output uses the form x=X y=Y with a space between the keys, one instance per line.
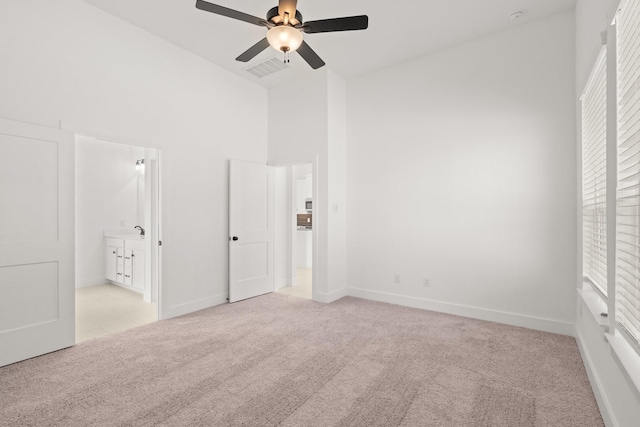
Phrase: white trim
x=594 y=69
x=292 y=161
x=52 y=125
x=315 y=233
x=595 y=180
x=331 y=296
x=106 y=135
x=627 y=359
x=613 y=11
x=595 y=304
x=530 y=322
x=596 y=384
x=611 y=169
x=195 y=305
x=628 y=71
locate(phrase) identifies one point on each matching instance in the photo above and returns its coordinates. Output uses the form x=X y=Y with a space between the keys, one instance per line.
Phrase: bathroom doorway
x=117 y=234
x=298 y=220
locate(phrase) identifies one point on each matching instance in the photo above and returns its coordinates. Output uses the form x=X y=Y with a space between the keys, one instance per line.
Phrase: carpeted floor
x=281 y=360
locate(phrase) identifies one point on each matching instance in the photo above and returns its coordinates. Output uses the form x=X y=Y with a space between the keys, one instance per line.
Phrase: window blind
x=628 y=194
x=594 y=175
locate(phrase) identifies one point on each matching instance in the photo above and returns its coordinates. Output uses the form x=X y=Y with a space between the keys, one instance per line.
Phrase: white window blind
x=594 y=175
x=628 y=194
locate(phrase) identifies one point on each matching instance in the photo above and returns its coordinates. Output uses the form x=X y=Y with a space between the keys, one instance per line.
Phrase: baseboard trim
x=191 y=306
x=596 y=384
x=87 y=282
x=513 y=319
x=330 y=297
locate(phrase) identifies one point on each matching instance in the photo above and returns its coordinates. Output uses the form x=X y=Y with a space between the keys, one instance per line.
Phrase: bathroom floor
x=105 y=309
x=303 y=288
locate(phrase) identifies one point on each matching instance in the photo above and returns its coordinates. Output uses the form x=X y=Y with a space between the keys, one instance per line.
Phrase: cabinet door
x=111 y=263
x=138 y=270
x=120 y=265
x=128 y=266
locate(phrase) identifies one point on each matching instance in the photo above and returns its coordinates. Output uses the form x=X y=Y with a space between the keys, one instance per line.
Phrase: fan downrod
x=274 y=17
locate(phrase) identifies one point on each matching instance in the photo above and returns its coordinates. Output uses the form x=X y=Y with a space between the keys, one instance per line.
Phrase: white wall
x=109 y=193
x=298 y=127
x=66 y=60
x=337 y=183
x=461 y=168
x=303 y=184
x=619 y=402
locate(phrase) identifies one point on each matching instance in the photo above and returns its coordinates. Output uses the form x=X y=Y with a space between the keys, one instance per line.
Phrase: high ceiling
x=399 y=30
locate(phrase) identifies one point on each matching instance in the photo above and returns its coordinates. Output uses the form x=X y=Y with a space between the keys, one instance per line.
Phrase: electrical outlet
x=426 y=282
x=396 y=278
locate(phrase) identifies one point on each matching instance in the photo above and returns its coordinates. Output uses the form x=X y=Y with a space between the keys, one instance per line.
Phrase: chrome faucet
x=141 y=230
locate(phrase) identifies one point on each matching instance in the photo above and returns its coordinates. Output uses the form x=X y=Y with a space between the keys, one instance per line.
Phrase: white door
x=37 y=285
x=251 y=230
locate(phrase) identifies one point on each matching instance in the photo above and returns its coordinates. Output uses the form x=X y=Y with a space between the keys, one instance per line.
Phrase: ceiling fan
x=286 y=26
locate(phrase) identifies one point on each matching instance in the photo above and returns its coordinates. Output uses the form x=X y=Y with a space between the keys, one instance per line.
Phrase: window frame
x=595 y=155
x=622 y=324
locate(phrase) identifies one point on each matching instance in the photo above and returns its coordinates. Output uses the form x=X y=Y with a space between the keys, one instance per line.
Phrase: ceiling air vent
x=267 y=67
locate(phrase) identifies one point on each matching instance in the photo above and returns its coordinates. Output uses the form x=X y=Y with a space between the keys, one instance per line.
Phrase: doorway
x=117 y=228
x=297 y=186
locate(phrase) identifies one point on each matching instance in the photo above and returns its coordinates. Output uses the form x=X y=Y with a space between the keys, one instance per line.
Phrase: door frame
x=317 y=224
x=106 y=136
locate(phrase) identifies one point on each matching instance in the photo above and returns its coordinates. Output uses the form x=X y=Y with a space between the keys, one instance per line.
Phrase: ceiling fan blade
x=230 y=13
x=349 y=23
x=310 y=56
x=287 y=6
x=250 y=53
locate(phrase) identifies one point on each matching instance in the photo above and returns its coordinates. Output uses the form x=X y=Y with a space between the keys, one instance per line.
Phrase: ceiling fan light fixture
x=286 y=26
x=284 y=38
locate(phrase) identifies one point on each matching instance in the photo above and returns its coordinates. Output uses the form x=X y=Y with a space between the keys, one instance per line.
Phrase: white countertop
x=120 y=235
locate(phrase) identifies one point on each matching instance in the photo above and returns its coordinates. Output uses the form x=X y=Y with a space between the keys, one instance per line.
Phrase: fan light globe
x=284 y=38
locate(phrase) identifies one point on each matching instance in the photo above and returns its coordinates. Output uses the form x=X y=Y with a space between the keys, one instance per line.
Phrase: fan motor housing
x=274 y=17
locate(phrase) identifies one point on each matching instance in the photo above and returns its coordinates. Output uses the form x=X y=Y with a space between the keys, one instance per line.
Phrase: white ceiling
x=399 y=30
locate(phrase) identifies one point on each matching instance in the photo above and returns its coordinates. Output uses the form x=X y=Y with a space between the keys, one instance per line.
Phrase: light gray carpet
x=281 y=360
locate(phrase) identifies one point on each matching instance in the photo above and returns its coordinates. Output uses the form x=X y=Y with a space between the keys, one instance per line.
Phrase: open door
x=37 y=286
x=251 y=230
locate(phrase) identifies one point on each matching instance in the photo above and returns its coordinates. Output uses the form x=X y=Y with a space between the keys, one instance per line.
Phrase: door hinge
x=159 y=242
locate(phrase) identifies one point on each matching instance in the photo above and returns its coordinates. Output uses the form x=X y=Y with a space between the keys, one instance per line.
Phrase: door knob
x=234 y=238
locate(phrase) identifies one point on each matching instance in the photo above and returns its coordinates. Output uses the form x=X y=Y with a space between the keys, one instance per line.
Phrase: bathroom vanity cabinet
x=125 y=262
